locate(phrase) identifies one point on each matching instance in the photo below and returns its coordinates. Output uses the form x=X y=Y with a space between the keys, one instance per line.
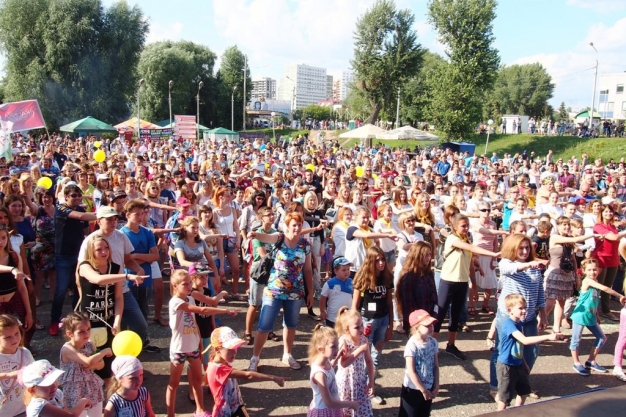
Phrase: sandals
x=39 y=326
x=273 y=336
x=487 y=310
x=399 y=329
x=249 y=339
x=471 y=310
x=238 y=297
x=161 y=322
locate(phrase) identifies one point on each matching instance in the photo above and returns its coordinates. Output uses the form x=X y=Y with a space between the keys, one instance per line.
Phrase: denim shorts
x=270 y=309
x=227 y=249
x=391 y=256
x=256 y=294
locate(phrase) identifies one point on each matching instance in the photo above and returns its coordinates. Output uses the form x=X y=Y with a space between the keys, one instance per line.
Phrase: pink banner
x=185 y=127
x=23 y=115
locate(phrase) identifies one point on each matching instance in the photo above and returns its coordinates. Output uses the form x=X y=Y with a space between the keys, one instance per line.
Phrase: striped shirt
x=527 y=283
x=134 y=408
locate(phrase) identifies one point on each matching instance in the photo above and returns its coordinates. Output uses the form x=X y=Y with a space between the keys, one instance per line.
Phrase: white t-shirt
x=9 y=363
x=387 y=245
x=36 y=405
x=339 y=294
x=119 y=245
x=185 y=333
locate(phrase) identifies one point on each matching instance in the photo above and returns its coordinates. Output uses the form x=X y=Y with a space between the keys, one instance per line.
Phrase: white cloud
x=159 y=32
x=611 y=38
x=606 y=6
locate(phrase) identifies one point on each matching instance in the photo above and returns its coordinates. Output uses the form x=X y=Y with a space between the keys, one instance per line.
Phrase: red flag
x=25 y=115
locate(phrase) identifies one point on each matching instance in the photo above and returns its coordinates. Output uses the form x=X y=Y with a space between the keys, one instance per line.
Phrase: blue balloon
x=262 y=147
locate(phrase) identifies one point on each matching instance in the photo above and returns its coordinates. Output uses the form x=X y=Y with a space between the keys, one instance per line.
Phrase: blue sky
x=274 y=33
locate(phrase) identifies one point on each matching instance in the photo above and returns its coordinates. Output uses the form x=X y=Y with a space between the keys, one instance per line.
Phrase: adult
x=289 y=275
x=71 y=224
x=225 y=218
x=43 y=251
x=13 y=293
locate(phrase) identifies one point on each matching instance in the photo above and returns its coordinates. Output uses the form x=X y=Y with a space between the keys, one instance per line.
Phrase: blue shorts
x=227 y=249
x=270 y=309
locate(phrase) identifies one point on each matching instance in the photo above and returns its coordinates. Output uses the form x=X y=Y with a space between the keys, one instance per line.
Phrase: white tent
x=364 y=132
x=408 y=132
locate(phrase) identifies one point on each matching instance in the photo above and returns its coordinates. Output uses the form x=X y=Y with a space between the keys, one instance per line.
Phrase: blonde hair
x=321 y=335
x=90 y=255
x=344 y=315
x=177 y=277
x=512 y=300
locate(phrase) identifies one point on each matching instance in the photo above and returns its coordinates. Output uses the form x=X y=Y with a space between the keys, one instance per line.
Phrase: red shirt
x=606 y=251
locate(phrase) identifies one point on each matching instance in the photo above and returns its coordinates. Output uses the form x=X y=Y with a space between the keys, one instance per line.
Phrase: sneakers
x=595 y=367
x=454 y=351
x=254 y=364
x=288 y=359
x=619 y=374
x=581 y=369
x=314 y=316
x=151 y=349
x=53 y=330
x=375 y=399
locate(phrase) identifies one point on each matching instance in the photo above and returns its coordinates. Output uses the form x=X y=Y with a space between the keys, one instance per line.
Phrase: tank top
x=96 y=299
x=225 y=224
x=8 y=283
x=134 y=408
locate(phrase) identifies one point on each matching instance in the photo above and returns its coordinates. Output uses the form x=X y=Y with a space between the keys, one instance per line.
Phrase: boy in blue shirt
x=337 y=291
x=511 y=369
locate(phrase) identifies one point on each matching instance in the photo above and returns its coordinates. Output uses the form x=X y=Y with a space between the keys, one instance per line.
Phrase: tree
x=316 y=112
x=466 y=28
x=415 y=93
x=357 y=104
x=186 y=64
x=230 y=75
x=563 y=112
x=75 y=57
x=523 y=89
x=386 y=54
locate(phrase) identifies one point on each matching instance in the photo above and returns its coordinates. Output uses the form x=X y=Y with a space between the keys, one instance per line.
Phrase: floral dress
x=80 y=382
x=352 y=381
x=43 y=252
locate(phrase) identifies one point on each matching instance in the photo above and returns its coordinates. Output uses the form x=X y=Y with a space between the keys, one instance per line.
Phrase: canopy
x=364 y=132
x=198 y=126
x=585 y=115
x=88 y=125
x=219 y=134
x=131 y=124
x=409 y=132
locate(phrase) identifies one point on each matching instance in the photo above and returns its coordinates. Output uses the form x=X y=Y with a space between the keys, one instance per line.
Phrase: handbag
x=261 y=271
x=566 y=264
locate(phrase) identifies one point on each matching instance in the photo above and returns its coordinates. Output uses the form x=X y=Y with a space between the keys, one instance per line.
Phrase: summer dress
x=352 y=381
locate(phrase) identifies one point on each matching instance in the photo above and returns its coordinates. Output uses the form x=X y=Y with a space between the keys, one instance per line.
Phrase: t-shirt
x=8 y=363
x=541 y=249
x=36 y=405
x=119 y=244
x=374 y=303
x=456 y=266
x=185 y=334
x=511 y=350
x=286 y=280
x=424 y=355
x=69 y=232
x=256 y=244
x=192 y=254
x=205 y=322
x=225 y=390
x=339 y=294
x=606 y=251
x=142 y=241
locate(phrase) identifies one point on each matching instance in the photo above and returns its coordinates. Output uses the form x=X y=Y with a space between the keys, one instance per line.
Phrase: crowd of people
x=371 y=241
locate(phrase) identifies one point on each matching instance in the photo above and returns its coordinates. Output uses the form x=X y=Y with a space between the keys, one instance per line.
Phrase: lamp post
x=200 y=84
x=489 y=123
x=245 y=102
x=398 y=110
x=273 y=125
x=169 y=99
x=595 y=80
x=141 y=81
x=293 y=97
x=232 y=109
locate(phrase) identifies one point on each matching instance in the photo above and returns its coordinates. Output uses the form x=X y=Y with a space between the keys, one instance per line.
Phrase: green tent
x=88 y=125
x=220 y=133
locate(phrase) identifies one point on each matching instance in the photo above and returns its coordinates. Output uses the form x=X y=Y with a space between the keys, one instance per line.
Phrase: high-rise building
x=347 y=78
x=612 y=100
x=303 y=85
x=329 y=86
x=263 y=88
x=337 y=90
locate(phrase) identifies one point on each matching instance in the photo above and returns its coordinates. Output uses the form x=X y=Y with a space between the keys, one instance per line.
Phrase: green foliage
x=523 y=89
x=186 y=64
x=466 y=28
x=386 y=54
x=74 y=56
x=415 y=94
x=316 y=112
x=358 y=106
x=563 y=112
x=230 y=75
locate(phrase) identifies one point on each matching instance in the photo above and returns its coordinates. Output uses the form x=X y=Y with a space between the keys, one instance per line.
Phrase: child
x=337 y=291
x=356 y=368
x=78 y=362
x=42 y=397
x=620 y=345
x=222 y=378
x=585 y=315
x=511 y=368
x=421 y=373
x=185 y=343
x=322 y=350
x=126 y=396
x=13 y=357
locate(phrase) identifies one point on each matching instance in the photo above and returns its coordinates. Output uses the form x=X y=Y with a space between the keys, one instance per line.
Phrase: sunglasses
x=485 y=210
x=75 y=195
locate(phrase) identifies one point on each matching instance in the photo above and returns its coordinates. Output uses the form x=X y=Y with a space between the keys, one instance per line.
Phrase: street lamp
x=232 y=109
x=398 y=110
x=141 y=81
x=489 y=123
x=169 y=98
x=274 y=125
x=200 y=84
x=293 y=97
x=595 y=80
x=245 y=102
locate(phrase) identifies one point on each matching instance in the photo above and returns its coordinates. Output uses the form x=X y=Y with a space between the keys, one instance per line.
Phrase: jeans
x=142 y=296
x=577 y=332
x=132 y=317
x=270 y=309
x=378 y=329
x=66 y=273
x=531 y=352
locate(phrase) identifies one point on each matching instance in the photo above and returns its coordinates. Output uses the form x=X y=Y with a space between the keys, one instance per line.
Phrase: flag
x=21 y=115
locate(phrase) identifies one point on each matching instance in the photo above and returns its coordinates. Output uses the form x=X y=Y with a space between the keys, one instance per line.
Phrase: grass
x=563 y=147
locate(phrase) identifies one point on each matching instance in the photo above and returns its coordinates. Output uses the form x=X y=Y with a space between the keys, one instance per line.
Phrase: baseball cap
x=40 y=373
x=106 y=211
x=421 y=317
x=119 y=193
x=225 y=337
x=183 y=202
x=102 y=177
x=340 y=261
x=259 y=176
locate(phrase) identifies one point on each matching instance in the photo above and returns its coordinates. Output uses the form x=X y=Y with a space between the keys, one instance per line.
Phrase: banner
x=25 y=115
x=5 y=143
x=185 y=127
x=155 y=134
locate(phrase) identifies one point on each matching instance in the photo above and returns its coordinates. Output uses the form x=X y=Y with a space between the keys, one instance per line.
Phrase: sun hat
x=105 y=212
x=40 y=373
x=421 y=317
x=225 y=337
x=183 y=202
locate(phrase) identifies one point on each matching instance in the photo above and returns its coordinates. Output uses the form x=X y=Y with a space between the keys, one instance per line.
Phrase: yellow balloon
x=99 y=155
x=311 y=167
x=375 y=177
x=127 y=342
x=97 y=144
x=359 y=171
x=44 y=182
